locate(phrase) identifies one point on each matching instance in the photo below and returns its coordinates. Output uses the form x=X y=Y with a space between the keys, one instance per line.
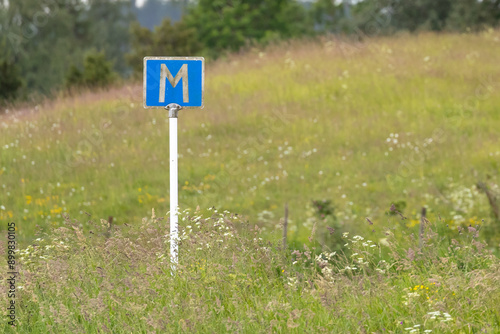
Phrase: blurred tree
x=108 y=30
x=10 y=77
x=332 y=16
x=97 y=72
x=166 y=40
x=153 y=12
x=74 y=77
x=44 y=37
x=414 y=15
x=223 y=25
x=325 y=13
x=409 y=15
x=10 y=80
x=473 y=14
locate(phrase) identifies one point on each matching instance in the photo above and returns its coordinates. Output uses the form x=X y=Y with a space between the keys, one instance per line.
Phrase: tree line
x=49 y=45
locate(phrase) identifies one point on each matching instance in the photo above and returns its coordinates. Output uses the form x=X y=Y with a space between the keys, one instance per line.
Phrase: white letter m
x=182 y=74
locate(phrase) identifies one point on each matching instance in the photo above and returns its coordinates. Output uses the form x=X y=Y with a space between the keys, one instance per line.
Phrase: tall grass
x=230 y=280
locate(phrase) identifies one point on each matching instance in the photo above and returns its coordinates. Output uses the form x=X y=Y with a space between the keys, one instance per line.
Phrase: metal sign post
x=173 y=110
x=162 y=90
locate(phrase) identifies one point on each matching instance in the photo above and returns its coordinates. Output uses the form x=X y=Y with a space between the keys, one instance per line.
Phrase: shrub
x=229 y=25
x=166 y=39
x=10 y=80
x=97 y=72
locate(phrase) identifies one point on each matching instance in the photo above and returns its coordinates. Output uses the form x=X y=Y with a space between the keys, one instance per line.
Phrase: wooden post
x=422 y=227
x=110 y=226
x=285 y=226
x=491 y=199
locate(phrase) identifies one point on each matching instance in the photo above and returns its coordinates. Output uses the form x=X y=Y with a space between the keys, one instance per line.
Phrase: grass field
x=339 y=130
x=405 y=119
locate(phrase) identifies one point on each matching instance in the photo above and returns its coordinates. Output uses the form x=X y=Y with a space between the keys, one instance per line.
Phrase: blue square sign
x=177 y=80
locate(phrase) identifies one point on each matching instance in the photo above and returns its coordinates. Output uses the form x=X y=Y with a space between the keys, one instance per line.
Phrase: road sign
x=169 y=80
x=173 y=83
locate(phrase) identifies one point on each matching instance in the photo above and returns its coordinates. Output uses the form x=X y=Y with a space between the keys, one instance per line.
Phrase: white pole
x=174 y=191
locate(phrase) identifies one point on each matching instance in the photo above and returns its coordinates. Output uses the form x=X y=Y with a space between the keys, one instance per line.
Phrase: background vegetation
x=53 y=36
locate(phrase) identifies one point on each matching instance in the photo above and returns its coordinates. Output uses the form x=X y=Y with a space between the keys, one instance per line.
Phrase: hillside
x=411 y=120
x=356 y=137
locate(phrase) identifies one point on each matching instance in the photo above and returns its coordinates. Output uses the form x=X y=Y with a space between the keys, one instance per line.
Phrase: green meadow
x=340 y=131
x=409 y=120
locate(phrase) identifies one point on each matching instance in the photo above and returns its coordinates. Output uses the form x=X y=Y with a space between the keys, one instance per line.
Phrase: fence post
x=285 y=226
x=422 y=227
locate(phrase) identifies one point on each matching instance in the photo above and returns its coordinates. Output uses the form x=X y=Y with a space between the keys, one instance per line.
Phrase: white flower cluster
x=323 y=261
x=442 y=316
x=31 y=253
x=463 y=199
x=416 y=329
x=409 y=296
x=358 y=239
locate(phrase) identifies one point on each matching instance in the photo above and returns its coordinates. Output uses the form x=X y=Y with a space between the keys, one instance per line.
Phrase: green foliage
x=325 y=13
x=323 y=208
x=423 y=14
x=330 y=16
x=10 y=80
x=74 y=77
x=382 y=16
x=44 y=37
x=153 y=12
x=397 y=208
x=53 y=34
x=165 y=40
x=326 y=222
x=97 y=72
x=473 y=15
x=226 y=25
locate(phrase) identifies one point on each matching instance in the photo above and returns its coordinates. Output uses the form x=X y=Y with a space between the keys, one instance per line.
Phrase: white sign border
x=173 y=58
